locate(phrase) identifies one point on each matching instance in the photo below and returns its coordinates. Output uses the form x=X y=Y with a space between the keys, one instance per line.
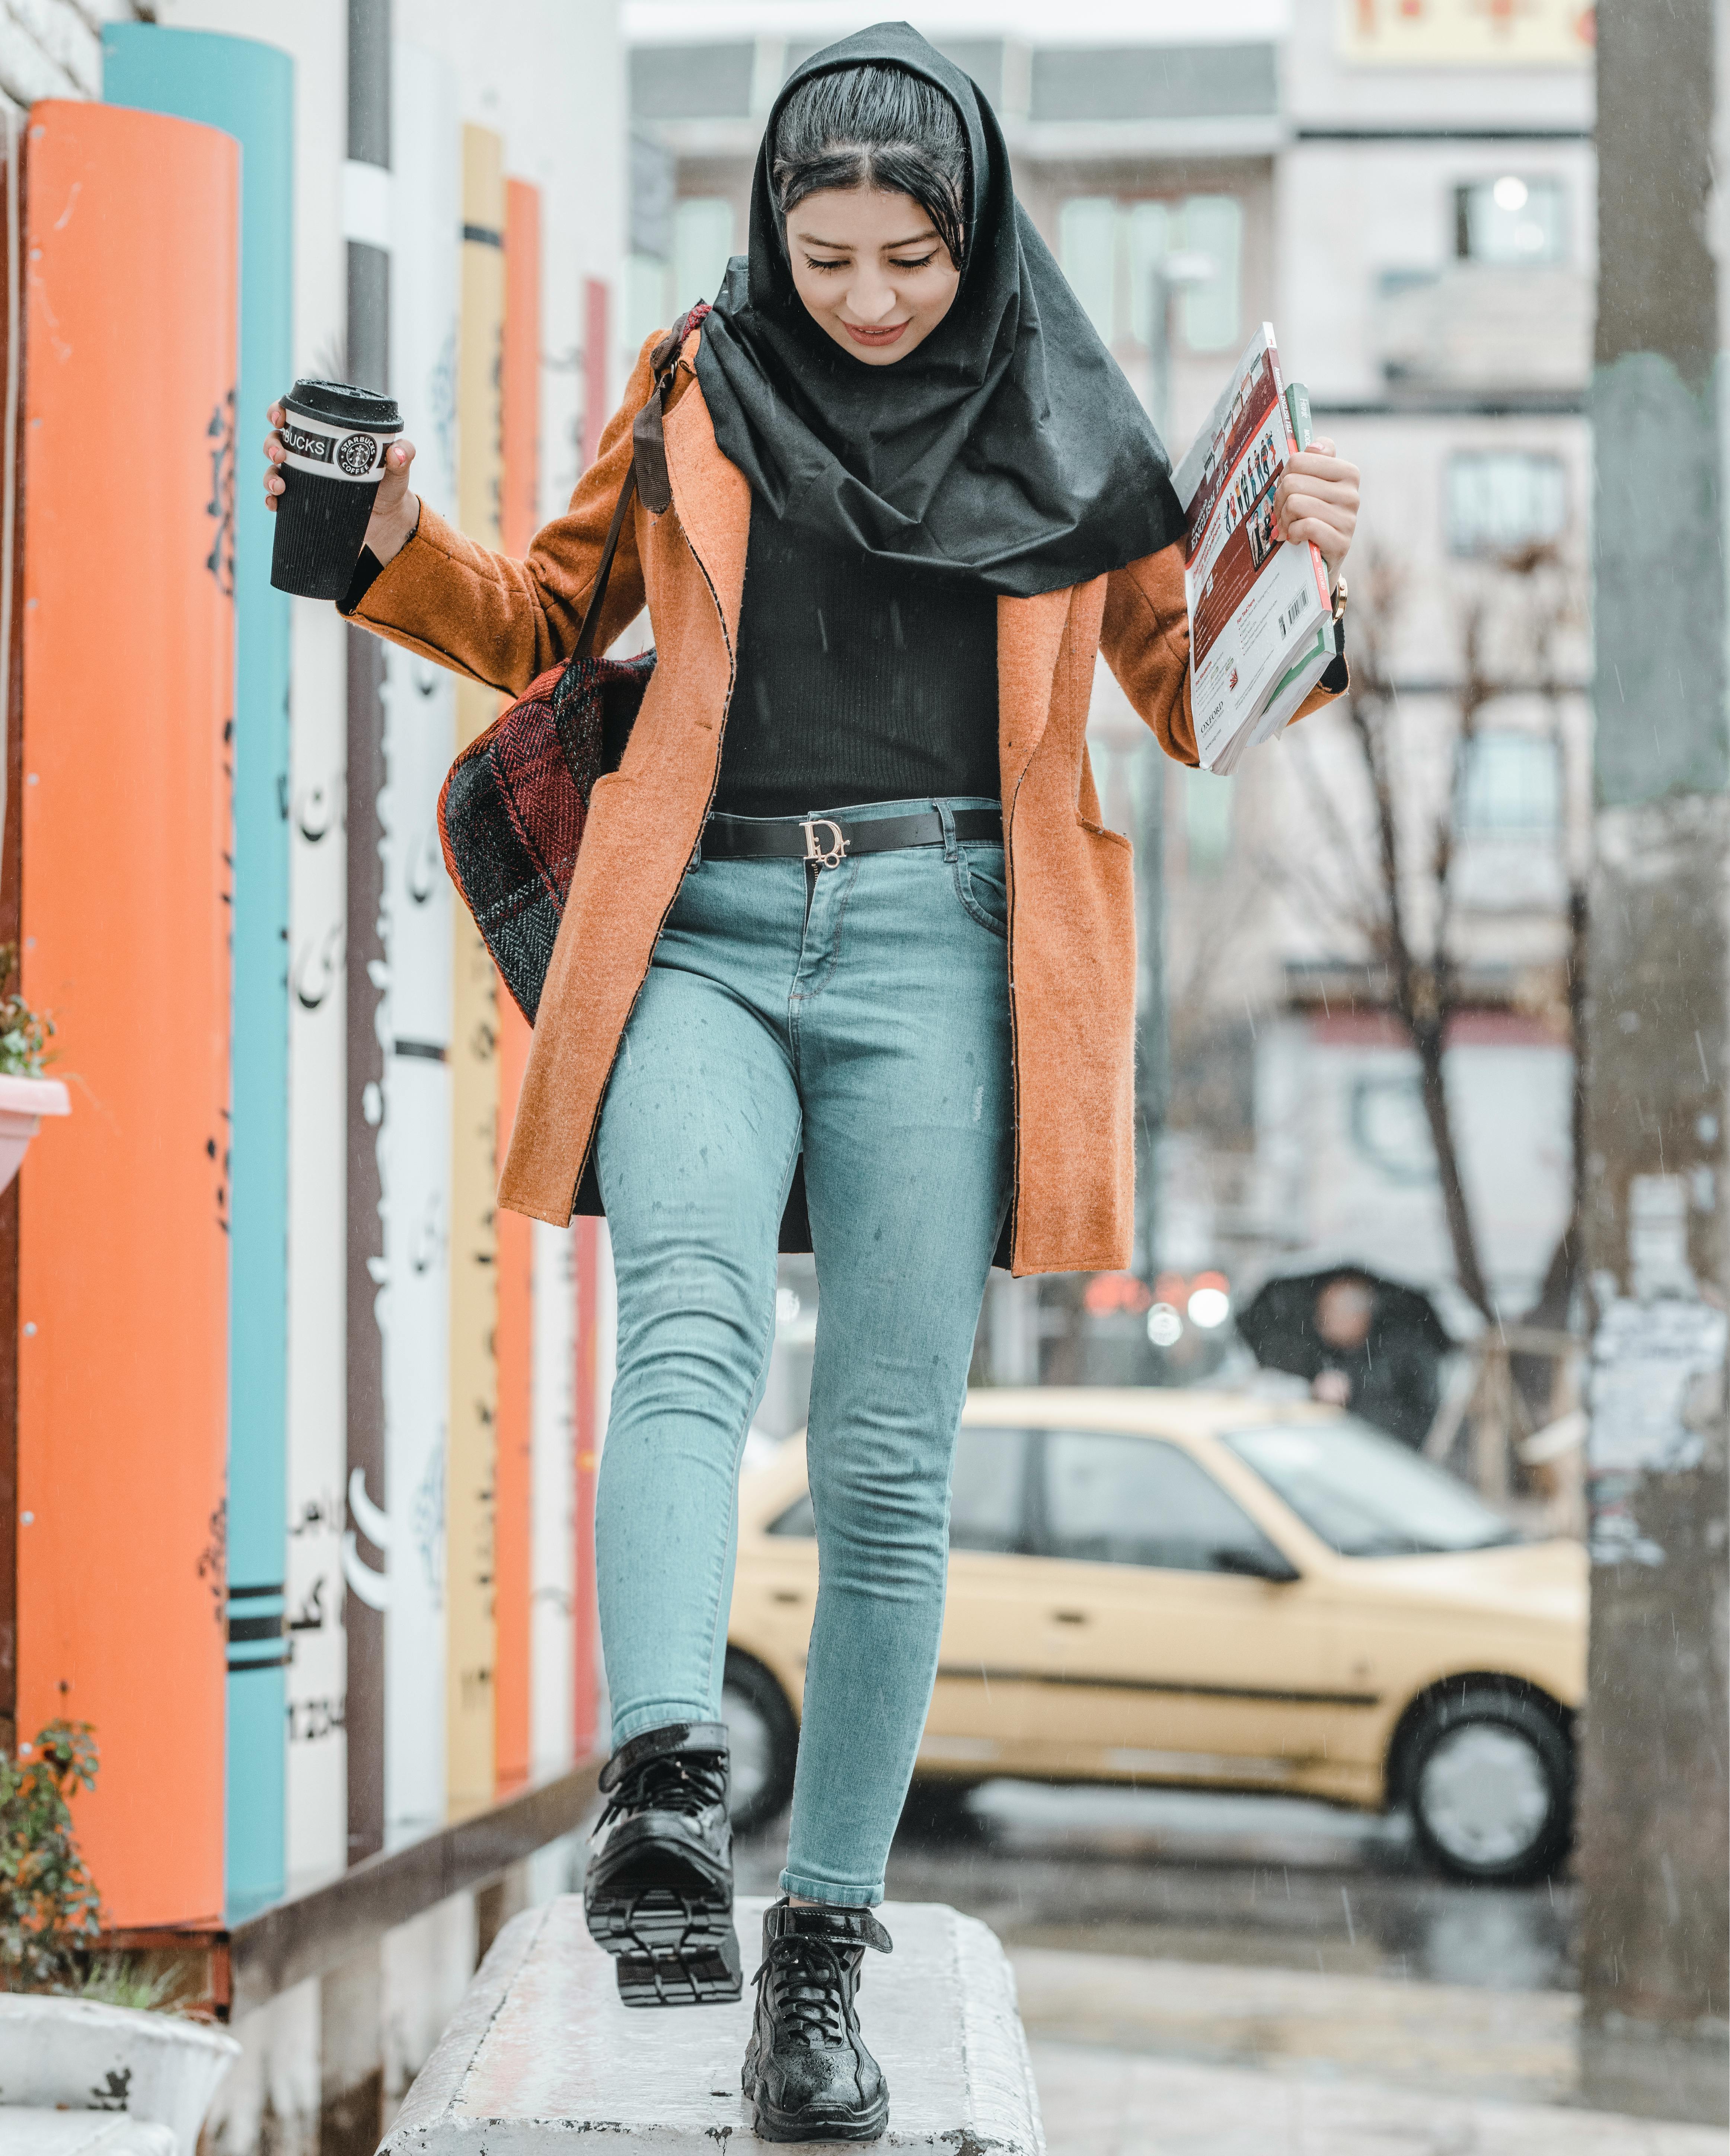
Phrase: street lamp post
x=1170 y=275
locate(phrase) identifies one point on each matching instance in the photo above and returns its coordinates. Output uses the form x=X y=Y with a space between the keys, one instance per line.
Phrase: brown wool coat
x=1071 y=958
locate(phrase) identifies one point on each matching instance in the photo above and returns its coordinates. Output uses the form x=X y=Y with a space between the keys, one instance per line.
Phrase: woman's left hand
x=1317 y=500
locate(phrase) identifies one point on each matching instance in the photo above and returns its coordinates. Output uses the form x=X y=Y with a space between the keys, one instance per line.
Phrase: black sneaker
x=659 y=1891
x=806 y=2067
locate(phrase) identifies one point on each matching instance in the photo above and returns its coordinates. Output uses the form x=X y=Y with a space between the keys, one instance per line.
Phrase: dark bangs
x=874 y=127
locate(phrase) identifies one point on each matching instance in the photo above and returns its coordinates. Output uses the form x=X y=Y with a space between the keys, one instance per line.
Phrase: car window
x=798 y=1519
x=1364 y=1494
x=986 y=1497
x=1139 y=1501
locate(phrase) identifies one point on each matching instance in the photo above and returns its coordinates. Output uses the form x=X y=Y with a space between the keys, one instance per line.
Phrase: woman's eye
x=924 y=262
x=812 y=263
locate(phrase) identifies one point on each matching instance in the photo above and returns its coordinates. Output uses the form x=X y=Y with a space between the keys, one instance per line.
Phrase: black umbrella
x=1392 y=1373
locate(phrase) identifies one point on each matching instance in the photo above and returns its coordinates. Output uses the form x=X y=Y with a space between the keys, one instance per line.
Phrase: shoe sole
x=672 y=1947
x=770 y=2126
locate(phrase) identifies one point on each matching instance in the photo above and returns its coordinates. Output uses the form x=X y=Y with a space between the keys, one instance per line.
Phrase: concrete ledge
x=28 y=2130
x=541 y=2048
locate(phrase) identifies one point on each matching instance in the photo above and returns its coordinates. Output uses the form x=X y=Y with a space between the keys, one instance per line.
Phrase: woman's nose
x=871 y=303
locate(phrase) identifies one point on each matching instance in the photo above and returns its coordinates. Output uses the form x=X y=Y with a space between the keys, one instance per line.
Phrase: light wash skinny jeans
x=860 y=1015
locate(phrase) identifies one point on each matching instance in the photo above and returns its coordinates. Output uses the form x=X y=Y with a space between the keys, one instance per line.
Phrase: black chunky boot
x=659 y=1891
x=806 y=2067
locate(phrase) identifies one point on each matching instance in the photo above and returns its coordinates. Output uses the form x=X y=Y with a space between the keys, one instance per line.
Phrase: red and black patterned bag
x=514 y=804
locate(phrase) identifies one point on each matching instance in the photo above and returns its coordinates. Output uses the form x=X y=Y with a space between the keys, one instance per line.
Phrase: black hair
x=875 y=126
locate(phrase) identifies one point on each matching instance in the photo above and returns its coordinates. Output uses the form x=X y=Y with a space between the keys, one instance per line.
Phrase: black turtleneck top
x=858 y=680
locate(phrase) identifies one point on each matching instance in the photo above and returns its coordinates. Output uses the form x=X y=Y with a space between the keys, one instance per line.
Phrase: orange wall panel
x=520 y=503
x=520 y=508
x=128 y=441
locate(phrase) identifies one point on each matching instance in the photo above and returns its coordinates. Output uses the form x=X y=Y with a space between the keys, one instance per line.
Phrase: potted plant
x=64 y=2045
x=26 y=1096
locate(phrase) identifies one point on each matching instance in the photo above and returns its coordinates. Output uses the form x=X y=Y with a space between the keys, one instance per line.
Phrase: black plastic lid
x=347 y=406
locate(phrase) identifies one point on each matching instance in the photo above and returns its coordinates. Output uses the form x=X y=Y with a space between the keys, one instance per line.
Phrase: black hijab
x=1007 y=446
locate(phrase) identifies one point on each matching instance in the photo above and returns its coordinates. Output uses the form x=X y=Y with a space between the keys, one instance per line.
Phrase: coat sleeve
x=504 y=622
x=1145 y=637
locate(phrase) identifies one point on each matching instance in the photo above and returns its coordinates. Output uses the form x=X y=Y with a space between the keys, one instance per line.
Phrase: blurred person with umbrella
x=1360 y=1341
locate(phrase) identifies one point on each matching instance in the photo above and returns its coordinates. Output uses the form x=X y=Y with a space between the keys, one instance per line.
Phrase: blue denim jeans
x=858 y=1014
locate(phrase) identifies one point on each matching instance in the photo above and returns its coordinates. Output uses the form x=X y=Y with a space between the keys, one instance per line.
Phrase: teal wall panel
x=248 y=90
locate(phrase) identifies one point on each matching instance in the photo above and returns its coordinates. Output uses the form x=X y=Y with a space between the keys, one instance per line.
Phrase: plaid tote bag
x=513 y=806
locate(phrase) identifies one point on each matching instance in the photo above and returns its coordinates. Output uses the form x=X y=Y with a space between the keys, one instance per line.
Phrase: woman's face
x=870 y=268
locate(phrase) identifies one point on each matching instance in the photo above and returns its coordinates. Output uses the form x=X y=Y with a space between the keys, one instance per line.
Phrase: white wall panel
x=419 y=740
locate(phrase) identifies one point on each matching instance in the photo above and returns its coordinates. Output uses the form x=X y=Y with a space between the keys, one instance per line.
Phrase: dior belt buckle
x=829 y=856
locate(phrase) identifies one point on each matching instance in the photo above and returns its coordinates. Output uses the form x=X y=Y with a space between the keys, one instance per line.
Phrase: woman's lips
x=886 y=335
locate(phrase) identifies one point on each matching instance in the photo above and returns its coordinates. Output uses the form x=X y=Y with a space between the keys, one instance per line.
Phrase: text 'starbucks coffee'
x=335 y=438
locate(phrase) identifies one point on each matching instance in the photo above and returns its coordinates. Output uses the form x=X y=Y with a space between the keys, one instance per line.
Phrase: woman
x=911 y=496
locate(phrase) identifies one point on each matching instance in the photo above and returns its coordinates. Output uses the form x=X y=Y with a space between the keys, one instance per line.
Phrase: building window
x=1511 y=787
x=1152 y=231
x=702 y=245
x=1214 y=228
x=1087 y=240
x=1114 y=253
x=1511 y=220
x=1500 y=500
x=698 y=235
x=1207 y=821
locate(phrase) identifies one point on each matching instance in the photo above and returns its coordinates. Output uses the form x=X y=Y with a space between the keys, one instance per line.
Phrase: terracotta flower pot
x=23 y=1102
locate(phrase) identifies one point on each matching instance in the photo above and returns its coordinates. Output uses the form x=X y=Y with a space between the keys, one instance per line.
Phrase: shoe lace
x=809 y=1994
x=676 y=1782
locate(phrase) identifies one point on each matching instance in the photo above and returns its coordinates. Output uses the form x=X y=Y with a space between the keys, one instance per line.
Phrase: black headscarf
x=1007 y=445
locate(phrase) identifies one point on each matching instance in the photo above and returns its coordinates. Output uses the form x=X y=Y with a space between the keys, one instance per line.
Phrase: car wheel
x=1489 y=1777
x=763 y=1738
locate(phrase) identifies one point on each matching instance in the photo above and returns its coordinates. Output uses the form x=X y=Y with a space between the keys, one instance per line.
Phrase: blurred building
x=1406 y=189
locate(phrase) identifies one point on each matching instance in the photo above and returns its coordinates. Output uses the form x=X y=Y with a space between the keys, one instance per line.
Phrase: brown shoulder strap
x=598 y=598
x=647 y=474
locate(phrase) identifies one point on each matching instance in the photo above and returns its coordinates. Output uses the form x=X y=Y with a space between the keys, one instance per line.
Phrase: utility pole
x=1655 y=1808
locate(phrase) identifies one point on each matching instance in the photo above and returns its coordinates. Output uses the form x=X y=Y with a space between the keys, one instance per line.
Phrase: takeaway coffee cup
x=335 y=438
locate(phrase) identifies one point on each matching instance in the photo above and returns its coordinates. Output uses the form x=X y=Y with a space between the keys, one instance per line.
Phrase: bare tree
x=1399 y=896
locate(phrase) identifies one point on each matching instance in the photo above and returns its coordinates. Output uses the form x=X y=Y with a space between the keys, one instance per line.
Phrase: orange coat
x=1071 y=953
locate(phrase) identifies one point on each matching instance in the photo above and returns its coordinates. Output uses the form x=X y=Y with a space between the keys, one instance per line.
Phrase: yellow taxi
x=1214 y=1590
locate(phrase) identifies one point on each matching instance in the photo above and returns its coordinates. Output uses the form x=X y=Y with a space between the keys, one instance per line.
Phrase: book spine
x=1278 y=372
x=1297 y=411
x=1295 y=406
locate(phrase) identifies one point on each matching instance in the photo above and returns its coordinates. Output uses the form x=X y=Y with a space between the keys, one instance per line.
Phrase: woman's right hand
x=395 y=511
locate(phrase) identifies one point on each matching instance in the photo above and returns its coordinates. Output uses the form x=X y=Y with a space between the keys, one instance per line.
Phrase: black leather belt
x=825 y=841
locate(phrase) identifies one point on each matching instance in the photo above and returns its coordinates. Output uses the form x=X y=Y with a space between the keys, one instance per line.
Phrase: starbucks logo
x=357 y=455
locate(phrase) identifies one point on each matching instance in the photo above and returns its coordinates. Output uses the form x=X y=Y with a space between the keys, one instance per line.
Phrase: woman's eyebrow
x=846 y=246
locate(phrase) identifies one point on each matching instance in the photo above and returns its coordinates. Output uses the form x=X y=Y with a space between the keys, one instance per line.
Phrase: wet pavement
x=1255 y=1882
x=1186 y=1959
x=1204 y=1975
x=1105 y=2103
